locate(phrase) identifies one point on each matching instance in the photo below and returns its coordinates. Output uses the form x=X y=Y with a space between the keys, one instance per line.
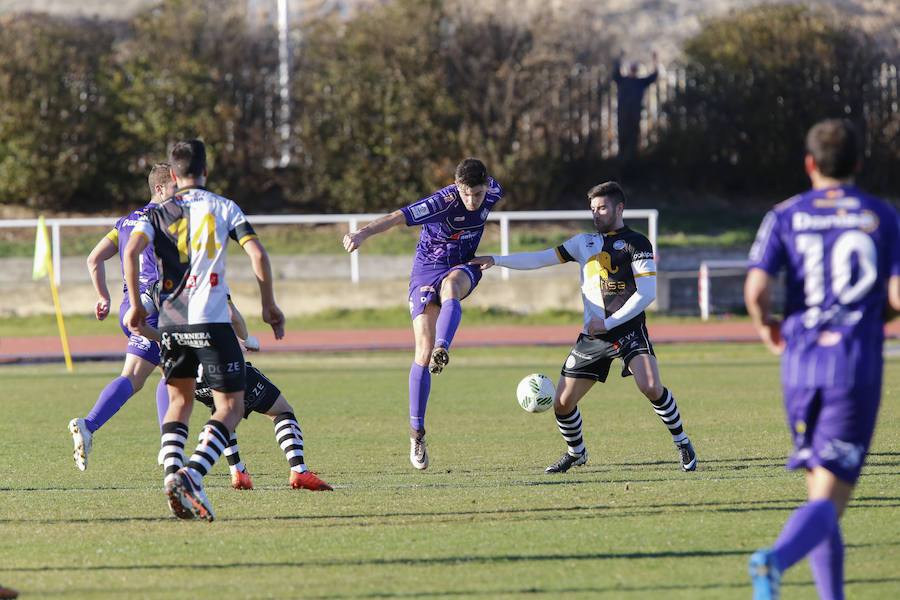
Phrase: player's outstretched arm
x=96 y=264
x=355 y=239
x=483 y=262
x=137 y=314
x=526 y=261
x=758 y=298
x=262 y=268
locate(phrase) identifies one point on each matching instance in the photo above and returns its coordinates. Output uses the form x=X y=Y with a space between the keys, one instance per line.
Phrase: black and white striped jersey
x=190 y=233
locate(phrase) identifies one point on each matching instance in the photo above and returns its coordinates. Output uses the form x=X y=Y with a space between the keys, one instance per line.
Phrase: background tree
x=527 y=84
x=756 y=82
x=198 y=69
x=375 y=124
x=58 y=136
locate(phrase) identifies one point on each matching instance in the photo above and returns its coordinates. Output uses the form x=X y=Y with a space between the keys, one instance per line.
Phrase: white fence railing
x=704 y=290
x=353 y=222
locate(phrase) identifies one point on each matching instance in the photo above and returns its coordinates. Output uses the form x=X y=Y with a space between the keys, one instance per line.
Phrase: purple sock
x=162 y=401
x=827 y=563
x=419 y=387
x=111 y=399
x=447 y=322
x=806 y=528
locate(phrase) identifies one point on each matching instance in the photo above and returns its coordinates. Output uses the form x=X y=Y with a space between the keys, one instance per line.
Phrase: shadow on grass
x=593 y=511
x=432 y=561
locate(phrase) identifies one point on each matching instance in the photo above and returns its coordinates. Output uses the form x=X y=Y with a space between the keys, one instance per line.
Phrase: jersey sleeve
x=430 y=209
x=145 y=226
x=768 y=251
x=113 y=236
x=239 y=229
x=642 y=258
x=495 y=190
x=570 y=250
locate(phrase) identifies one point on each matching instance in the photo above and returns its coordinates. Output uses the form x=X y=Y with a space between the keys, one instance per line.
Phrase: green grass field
x=483 y=521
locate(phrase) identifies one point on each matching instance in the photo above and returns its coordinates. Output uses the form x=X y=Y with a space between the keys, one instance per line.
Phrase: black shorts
x=591 y=357
x=259 y=395
x=214 y=345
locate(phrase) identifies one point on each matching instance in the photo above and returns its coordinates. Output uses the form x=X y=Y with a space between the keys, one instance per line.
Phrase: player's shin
x=233 y=455
x=807 y=527
x=111 y=399
x=290 y=439
x=213 y=439
x=447 y=323
x=569 y=426
x=419 y=389
x=827 y=563
x=171 y=454
x=162 y=400
x=667 y=409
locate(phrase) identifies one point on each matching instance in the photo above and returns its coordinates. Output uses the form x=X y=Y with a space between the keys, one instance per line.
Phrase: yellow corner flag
x=43 y=267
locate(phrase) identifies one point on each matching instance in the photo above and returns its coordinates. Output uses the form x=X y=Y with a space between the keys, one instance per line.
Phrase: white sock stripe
x=674 y=425
x=201 y=460
x=569 y=419
x=231 y=450
x=286 y=423
x=667 y=411
x=665 y=406
x=212 y=435
x=293 y=453
x=669 y=414
x=292 y=443
x=173 y=437
x=572 y=427
x=671 y=418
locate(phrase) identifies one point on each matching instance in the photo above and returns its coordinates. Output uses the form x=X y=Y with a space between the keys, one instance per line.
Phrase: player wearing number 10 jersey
x=189 y=233
x=840 y=251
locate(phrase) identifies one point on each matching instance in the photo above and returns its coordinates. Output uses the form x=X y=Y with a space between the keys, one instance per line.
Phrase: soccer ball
x=535 y=393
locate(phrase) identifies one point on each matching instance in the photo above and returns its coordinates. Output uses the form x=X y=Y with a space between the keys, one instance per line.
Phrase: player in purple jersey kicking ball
x=142 y=355
x=840 y=250
x=452 y=221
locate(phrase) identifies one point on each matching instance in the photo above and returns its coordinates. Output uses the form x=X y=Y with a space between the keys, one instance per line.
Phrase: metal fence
x=584 y=108
x=353 y=222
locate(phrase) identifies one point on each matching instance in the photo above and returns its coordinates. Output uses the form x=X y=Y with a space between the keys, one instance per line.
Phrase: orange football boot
x=240 y=480
x=309 y=481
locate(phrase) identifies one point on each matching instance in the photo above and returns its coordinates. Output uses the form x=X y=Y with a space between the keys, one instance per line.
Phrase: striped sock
x=171 y=453
x=570 y=428
x=667 y=410
x=290 y=438
x=213 y=438
x=233 y=455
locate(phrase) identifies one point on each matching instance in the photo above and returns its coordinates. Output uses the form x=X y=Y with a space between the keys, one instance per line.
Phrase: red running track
x=49 y=349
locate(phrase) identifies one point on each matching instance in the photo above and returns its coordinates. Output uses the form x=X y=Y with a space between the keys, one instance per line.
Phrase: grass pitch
x=483 y=521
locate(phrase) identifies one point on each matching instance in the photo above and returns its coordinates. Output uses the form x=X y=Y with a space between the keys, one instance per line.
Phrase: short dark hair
x=471 y=172
x=608 y=189
x=188 y=158
x=159 y=175
x=835 y=146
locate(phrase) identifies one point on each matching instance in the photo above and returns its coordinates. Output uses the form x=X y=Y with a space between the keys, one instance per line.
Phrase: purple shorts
x=138 y=344
x=832 y=428
x=425 y=286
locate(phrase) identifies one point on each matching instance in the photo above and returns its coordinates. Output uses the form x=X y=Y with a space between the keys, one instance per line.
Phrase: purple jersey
x=450 y=232
x=148 y=273
x=839 y=247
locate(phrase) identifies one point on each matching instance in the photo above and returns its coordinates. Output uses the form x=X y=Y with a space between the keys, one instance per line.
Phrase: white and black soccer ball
x=535 y=393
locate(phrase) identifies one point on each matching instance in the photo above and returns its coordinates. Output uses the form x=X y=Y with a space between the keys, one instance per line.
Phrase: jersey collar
x=617 y=231
x=188 y=188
